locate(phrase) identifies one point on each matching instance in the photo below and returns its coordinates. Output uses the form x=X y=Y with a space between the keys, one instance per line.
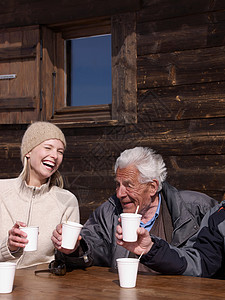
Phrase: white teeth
x=49 y=163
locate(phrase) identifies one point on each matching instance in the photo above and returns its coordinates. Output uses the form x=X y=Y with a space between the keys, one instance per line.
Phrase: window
x=89 y=64
x=123 y=108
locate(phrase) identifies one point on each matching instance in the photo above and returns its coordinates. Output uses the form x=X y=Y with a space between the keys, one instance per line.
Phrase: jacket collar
x=116 y=203
x=175 y=204
x=29 y=191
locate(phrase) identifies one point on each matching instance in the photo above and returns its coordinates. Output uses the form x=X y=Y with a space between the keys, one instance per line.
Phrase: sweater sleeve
x=67 y=204
x=5 y=254
x=72 y=212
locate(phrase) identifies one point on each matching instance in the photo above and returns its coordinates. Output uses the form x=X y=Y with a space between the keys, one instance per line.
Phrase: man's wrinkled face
x=130 y=191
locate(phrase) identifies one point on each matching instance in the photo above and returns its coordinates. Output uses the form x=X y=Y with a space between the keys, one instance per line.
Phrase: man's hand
x=141 y=246
x=57 y=240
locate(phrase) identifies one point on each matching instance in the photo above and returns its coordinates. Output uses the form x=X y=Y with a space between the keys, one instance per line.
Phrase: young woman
x=36 y=197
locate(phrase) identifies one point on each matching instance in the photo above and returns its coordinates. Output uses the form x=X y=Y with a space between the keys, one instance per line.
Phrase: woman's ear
x=28 y=155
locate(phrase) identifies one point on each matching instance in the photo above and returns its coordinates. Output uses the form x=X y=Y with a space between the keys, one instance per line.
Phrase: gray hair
x=149 y=164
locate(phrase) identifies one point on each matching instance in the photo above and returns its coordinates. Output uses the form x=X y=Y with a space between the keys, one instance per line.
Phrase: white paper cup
x=127 y=270
x=70 y=233
x=32 y=237
x=130 y=223
x=7 y=274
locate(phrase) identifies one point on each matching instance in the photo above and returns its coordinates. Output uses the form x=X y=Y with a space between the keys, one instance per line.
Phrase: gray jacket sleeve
x=99 y=234
x=203 y=256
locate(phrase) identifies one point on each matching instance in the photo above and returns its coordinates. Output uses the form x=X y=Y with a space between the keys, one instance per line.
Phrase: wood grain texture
x=175 y=54
x=40 y=12
x=101 y=283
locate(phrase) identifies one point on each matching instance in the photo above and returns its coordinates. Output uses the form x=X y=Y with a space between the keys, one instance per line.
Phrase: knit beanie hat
x=39 y=132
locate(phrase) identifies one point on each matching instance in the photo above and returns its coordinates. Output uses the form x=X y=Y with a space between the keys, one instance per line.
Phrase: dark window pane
x=91 y=71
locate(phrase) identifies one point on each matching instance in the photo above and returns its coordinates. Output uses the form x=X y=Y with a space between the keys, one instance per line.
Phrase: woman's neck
x=36 y=182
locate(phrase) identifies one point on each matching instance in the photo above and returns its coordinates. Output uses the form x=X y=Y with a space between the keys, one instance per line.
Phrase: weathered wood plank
x=181 y=67
x=182 y=102
x=179 y=163
x=48 y=72
x=89 y=27
x=181 y=128
x=22 y=13
x=181 y=33
x=17 y=103
x=167 y=143
x=124 y=68
x=179 y=138
x=17 y=53
x=163 y=9
x=22 y=62
x=201 y=180
x=83 y=113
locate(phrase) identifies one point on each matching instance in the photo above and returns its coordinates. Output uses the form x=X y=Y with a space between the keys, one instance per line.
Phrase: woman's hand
x=17 y=238
x=57 y=240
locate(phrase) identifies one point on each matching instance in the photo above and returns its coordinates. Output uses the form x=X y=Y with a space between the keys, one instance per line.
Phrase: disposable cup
x=32 y=237
x=127 y=269
x=7 y=274
x=70 y=233
x=130 y=223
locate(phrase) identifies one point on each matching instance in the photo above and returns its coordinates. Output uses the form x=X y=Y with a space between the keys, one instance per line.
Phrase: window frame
x=124 y=71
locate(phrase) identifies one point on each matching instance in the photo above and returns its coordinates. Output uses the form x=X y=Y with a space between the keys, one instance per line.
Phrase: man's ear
x=154 y=185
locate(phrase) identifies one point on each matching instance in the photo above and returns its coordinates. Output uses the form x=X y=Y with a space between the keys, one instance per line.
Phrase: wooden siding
x=124 y=105
x=180 y=105
x=22 y=13
x=20 y=56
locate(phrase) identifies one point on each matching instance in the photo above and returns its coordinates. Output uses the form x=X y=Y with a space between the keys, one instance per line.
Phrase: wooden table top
x=101 y=283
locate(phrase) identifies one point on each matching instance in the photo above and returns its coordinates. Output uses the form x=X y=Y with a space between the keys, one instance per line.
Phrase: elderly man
x=140 y=182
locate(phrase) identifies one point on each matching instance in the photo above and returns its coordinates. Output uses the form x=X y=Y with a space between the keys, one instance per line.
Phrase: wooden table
x=100 y=283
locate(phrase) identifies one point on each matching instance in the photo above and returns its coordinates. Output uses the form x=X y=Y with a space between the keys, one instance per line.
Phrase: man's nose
x=121 y=192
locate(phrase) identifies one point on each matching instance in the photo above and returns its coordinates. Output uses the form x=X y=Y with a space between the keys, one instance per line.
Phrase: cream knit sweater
x=44 y=207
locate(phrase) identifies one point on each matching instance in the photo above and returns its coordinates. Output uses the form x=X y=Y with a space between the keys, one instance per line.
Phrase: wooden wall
x=181 y=107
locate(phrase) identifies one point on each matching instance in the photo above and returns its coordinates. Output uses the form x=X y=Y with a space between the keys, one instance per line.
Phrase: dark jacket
x=203 y=256
x=186 y=208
